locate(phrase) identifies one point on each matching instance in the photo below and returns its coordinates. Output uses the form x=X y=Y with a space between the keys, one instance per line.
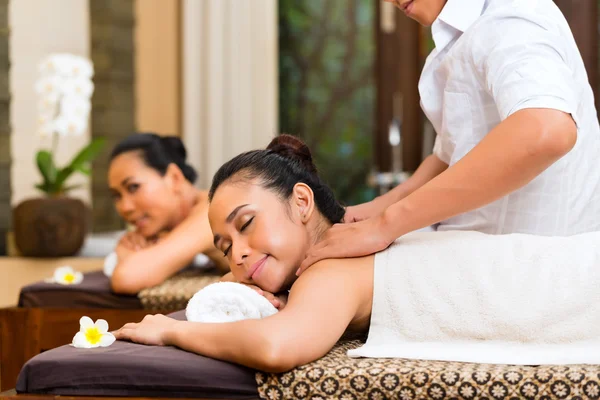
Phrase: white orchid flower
x=67 y=276
x=78 y=87
x=50 y=86
x=75 y=106
x=92 y=334
x=70 y=125
x=67 y=65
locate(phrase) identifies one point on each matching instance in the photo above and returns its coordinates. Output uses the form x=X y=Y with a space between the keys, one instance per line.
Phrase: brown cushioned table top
x=93 y=292
x=128 y=369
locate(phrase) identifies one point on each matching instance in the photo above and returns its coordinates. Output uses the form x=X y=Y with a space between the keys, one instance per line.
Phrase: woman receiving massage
x=152 y=187
x=267 y=207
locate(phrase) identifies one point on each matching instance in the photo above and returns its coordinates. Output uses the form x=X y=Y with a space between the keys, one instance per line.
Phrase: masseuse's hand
x=363 y=211
x=349 y=240
x=154 y=330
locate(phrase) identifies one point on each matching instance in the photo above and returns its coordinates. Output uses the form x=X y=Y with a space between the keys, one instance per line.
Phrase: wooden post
x=582 y=16
x=397 y=68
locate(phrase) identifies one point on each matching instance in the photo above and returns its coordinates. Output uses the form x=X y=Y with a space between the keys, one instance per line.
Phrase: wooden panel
x=582 y=16
x=398 y=68
x=158 y=66
x=26 y=332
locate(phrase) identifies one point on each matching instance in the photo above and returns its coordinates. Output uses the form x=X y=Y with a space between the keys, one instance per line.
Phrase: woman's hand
x=349 y=240
x=134 y=241
x=278 y=300
x=154 y=330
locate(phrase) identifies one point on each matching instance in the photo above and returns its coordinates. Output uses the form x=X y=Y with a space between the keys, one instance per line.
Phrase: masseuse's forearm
x=243 y=342
x=431 y=167
x=509 y=157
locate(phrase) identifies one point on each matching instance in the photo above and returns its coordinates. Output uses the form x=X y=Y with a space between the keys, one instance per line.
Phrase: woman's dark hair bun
x=174 y=146
x=291 y=147
x=157 y=152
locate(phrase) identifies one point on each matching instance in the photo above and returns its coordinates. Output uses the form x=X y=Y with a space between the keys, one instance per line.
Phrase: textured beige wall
x=16 y=272
x=38 y=28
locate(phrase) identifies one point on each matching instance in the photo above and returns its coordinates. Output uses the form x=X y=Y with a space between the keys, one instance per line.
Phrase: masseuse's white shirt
x=493 y=58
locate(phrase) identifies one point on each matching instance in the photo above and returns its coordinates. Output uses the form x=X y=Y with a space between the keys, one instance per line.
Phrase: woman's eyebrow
x=229 y=218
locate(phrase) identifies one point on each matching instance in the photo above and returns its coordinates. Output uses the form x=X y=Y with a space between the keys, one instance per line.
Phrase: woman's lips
x=256 y=267
x=141 y=222
x=407 y=7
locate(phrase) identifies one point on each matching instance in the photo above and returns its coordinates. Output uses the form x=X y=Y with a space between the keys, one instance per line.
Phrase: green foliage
x=54 y=179
x=327 y=92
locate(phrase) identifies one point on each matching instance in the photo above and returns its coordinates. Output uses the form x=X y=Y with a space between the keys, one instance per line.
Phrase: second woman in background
x=153 y=190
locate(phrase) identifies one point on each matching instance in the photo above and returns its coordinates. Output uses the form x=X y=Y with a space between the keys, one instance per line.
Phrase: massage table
x=48 y=314
x=167 y=372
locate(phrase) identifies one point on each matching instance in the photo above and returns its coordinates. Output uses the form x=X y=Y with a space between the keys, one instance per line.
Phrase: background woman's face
x=142 y=196
x=260 y=234
x=422 y=11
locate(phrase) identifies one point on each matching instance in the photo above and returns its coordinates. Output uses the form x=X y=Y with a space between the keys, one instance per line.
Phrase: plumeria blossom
x=92 y=334
x=67 y=276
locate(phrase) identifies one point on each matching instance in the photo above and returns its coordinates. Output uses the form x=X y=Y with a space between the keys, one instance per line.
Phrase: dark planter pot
x=50 y=227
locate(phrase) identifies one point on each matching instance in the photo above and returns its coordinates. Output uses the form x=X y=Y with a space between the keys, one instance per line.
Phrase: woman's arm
x=431 y=167
x=322 y=303
x=509 y=157
x=152 y=265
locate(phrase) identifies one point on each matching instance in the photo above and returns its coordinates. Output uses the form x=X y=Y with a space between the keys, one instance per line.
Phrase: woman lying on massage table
x=153 y=190
x=268 y=206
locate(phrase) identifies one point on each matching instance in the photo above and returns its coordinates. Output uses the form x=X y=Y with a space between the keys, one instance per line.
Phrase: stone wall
x=113 y=113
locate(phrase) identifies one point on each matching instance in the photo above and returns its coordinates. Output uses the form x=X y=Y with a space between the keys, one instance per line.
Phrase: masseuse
x=518 y=140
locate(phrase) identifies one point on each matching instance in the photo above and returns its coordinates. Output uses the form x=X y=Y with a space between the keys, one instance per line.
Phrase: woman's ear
x=303 y=200
x=175 y=178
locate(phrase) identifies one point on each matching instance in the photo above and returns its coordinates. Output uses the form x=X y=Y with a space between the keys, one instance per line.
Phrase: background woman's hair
x=285 y=162
x=157 y=152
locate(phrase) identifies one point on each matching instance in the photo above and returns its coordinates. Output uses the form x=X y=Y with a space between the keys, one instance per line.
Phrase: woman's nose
x=240 y=251
x=125 y=206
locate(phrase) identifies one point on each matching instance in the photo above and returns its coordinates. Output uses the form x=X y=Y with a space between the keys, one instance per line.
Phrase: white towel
x=472 y=297
x=227 y=302
x=110 y=263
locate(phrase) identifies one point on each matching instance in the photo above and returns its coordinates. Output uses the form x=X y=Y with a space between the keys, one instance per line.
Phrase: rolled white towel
x=110 y=262
x=227 y=302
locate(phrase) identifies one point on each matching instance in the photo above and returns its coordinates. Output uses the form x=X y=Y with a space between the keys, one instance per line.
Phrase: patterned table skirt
x=337 y=376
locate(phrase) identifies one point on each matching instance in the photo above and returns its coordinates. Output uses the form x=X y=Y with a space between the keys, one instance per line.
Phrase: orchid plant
x=65 y=89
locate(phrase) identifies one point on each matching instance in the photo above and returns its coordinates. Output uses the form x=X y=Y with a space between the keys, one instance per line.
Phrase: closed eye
x=246 y=224
x=226 y=252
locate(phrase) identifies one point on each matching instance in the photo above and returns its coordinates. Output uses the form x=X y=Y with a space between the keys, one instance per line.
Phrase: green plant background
x=327 y=92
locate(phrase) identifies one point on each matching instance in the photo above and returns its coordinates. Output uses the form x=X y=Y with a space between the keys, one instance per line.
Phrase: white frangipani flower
x=67 y=276
x=92 y=334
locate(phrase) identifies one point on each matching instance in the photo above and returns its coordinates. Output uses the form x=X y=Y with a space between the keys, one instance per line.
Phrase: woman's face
x=263 y=237
x=142 y=196
x=422 y=11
